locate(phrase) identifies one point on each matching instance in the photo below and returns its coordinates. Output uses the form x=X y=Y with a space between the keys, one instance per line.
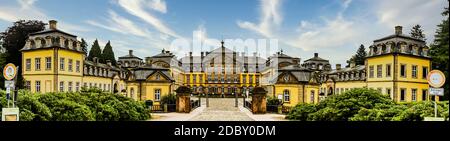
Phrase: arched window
x=43 y=43
x=66 y=43
x=132 y=93
x=33 y=45
x=286 y=96
x=383 y=48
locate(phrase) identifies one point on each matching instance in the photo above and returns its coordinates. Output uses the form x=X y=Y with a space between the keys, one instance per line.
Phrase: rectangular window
x=312 y=97
x=413 y=94
x=70 y=65
x=403 y=70
x=61 y=86
x=371 y=72
x=250 y=79
x=388 y=92
x=77 y=67
x=70 y=87
x=38 y=86
x=37 y=64
x=194 y=78
x=424 y=72
x=414 y=71
x=402 y=94
x=48 y=63
x=388 y=70
x=90 y=85
x=61 y=64
x=28 y=85
x=379 y=71
x=244 y=79
x=157 y=94
x=188 y=79
x=85 y=84
x=201 y=78
x=28 y=64
x=77 y=86
x=424 y=95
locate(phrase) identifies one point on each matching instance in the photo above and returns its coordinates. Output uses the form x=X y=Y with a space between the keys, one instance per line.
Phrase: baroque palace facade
x=396 y=65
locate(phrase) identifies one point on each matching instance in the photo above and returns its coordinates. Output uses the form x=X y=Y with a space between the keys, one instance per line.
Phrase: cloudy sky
x=332 y=28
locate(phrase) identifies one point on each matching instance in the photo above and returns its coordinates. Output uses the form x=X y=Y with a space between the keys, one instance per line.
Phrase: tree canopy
x=95 y=51
x=108 y=54
x=13 y=40
x=417 y=32
x=439 y=49
x=84 y=46
x=359 y=57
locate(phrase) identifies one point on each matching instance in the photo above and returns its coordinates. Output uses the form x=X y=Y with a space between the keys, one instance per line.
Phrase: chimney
x=338 y=66
x=190 y=53
x=95 y=60
x=52 y=24
x=398 y=30
x=130 y=52
x=108 y=62
x=316 y=55
x=352 y=64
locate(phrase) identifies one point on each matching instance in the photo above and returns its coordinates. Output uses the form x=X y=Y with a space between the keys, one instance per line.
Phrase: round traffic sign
x=9 y=71
x=436 y=78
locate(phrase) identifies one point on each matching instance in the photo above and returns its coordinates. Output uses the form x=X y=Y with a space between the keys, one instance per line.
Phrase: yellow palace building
x=396 y=65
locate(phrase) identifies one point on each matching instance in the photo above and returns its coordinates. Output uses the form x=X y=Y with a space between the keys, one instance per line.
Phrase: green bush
x=365 y=105
x=169 y=99
x=343 y=106
x=87 y=105
x=302 y=112
x=273 y=101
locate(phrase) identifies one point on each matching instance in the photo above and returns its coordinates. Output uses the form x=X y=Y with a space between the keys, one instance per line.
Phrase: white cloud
x=120 y=24
x=336 y=32
x=158 y=5
x=410 y=12
x=136 y=8
x=270 y=18
x=26 y=10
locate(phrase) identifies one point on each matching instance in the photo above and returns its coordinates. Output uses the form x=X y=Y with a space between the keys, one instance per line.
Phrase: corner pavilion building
x=397 y=65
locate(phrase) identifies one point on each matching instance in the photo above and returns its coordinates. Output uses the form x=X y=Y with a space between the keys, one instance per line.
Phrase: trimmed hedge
x=87 y=105
x=365 y=105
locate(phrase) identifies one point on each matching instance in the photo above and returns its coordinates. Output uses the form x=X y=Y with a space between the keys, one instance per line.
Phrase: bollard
x=280 y=109
x=165 y=108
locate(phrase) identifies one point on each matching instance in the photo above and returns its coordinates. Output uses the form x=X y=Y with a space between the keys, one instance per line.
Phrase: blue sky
x=333 y=28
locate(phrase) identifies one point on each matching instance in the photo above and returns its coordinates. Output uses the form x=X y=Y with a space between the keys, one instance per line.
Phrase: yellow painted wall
x=295 y=92
x=37 y=54
x=75 y=56
x=409 y=62
x=383 y=61
x=149 y=91
x=307 y=93
x=408 y=87
x=133 y=90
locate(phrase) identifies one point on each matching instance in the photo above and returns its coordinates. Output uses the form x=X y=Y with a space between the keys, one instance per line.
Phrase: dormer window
x=66 y=43
x=33 y=44
x=43 y=43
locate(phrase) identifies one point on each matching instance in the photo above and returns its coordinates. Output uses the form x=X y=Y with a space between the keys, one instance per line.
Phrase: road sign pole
x=435 y=109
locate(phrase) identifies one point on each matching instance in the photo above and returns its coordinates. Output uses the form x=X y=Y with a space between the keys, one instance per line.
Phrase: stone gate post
x=259 y=101
x=183 y=99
